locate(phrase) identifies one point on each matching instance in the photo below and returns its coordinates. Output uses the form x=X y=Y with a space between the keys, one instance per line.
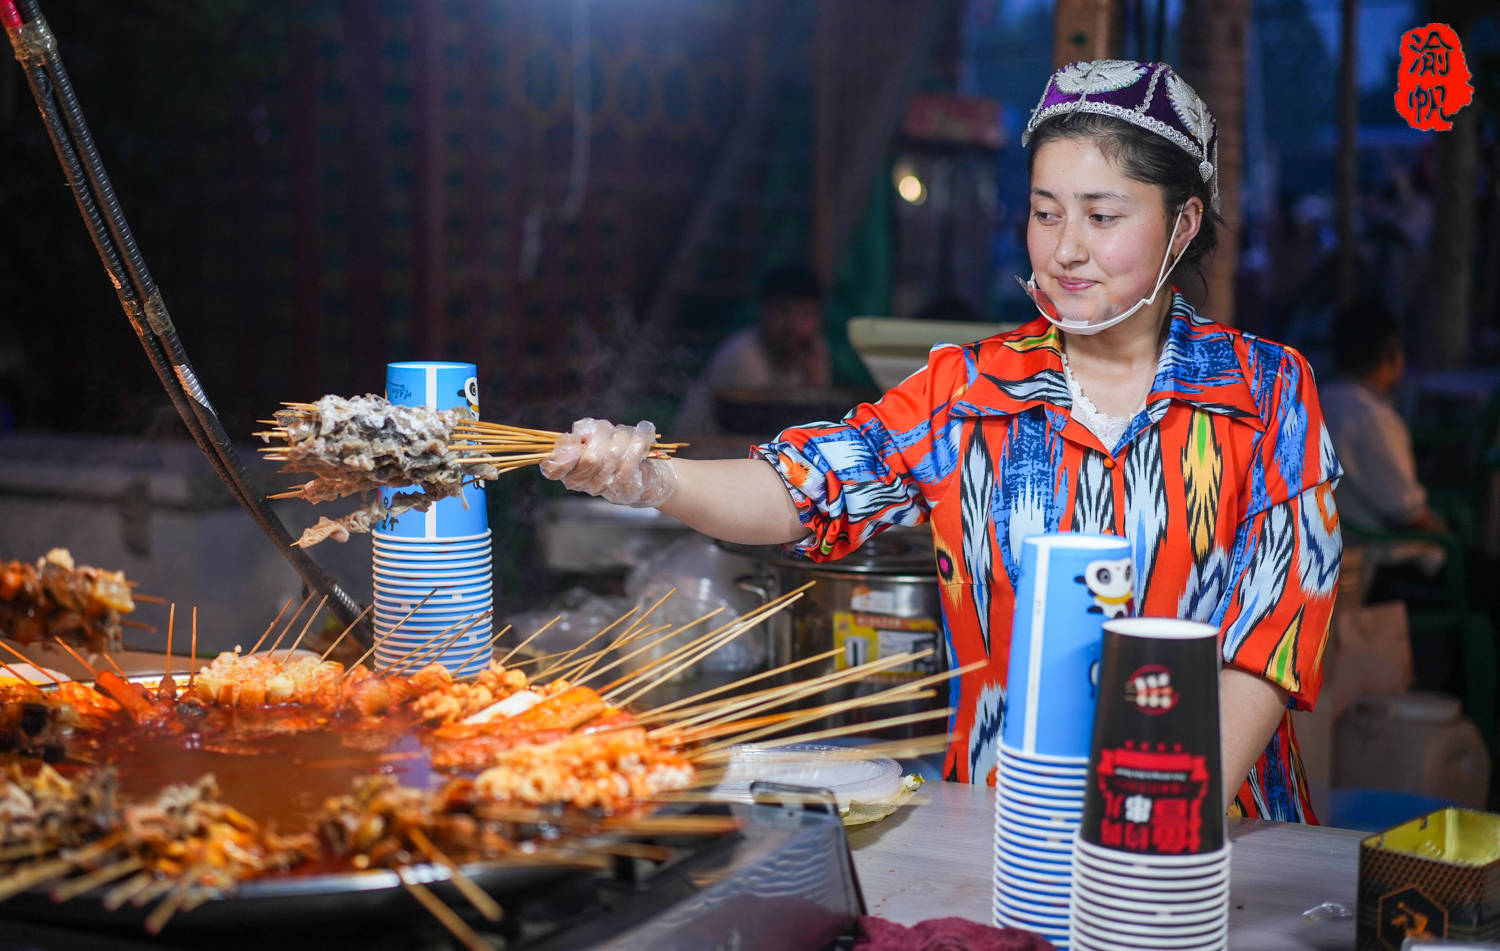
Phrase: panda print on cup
x=1111 y=581
x=470 y=396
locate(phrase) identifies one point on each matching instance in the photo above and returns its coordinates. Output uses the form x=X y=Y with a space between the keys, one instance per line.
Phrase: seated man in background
x=1380 y=491
x=784 y=349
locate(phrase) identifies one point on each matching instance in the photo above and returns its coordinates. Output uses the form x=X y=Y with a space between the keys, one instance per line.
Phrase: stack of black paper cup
x=1151 y=861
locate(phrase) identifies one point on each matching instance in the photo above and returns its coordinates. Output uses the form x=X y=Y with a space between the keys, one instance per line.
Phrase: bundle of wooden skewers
x=554 y=744
x=355 y=445
x=508 y=448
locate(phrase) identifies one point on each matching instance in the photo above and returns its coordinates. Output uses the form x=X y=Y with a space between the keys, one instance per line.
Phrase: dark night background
x=321 y=187
x=324 y=186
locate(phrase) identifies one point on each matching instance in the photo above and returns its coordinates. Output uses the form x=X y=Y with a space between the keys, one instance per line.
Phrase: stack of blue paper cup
x=1069 y=585
x=442 y=554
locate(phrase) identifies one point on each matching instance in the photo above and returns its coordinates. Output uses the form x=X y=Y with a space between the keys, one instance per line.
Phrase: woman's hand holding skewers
x=611 y=461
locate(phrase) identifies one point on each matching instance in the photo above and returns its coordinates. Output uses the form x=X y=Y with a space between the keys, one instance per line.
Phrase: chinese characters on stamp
x=1432 y=82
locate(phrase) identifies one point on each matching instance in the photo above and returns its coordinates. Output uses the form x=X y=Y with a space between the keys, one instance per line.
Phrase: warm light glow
x=910 y=188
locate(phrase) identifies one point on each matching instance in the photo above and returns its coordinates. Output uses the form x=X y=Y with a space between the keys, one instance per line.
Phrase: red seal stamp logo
x=1432 y=82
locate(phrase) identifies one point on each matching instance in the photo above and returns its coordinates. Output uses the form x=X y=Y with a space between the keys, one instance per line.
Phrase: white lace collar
x=1107 y=429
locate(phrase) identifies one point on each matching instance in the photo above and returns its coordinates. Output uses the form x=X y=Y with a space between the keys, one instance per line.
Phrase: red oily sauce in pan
x=278 y=764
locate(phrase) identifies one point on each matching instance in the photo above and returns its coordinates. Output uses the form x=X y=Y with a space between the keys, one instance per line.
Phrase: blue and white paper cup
x=413 y=545
x=436 y=385
x=1070 y=585
x=452 y=581
x=442 y=554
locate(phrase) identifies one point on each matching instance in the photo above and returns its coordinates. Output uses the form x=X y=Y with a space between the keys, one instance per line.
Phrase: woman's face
x=1097 y=237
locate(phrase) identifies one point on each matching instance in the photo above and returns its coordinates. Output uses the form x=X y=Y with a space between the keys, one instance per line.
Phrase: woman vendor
x=1120 y=411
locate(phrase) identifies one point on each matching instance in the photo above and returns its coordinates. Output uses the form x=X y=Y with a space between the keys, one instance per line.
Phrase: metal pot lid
x=898 y=550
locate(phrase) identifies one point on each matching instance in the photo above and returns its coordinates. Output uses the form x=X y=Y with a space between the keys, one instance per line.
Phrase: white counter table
x=936 y=860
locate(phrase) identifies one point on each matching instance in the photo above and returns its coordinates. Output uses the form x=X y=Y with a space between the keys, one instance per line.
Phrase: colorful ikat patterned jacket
x=1223 y=485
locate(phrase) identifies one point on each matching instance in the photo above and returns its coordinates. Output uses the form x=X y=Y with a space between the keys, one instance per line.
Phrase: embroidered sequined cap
x=1149 y=95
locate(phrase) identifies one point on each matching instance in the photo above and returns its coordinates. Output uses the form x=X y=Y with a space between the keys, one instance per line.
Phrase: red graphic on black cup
x=1155 y=783
x=1150 y=689
x=1152 y=800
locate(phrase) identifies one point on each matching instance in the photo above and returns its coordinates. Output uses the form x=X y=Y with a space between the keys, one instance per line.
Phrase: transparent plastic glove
x=610 y=461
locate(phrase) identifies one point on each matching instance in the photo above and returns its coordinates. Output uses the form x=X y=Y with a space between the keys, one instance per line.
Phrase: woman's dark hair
x=1147 y=158
x=790 y=282
x=1364 y=335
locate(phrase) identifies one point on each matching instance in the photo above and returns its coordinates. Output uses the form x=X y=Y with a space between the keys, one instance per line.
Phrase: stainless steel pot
x=881 y=600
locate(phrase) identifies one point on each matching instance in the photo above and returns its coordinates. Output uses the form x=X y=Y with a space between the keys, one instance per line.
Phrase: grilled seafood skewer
x=355 y=445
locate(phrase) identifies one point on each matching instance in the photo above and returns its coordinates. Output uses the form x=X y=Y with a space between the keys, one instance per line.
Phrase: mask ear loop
x=1161 y=275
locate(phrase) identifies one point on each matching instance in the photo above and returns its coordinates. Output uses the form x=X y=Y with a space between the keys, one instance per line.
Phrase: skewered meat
x=180 y=841
x=382 y=823
x=355 y=445
x=379 y=809
x=601 y=771
x=256 y=680
x=459 y=700
x=185 y=829
x=38 y=728
x=45 y=807
x=473 y=746
x=82 y=698
x=363 y=519
x=432 y=677
x=57 y=598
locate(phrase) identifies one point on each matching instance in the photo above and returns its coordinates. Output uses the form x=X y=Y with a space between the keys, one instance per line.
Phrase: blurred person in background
x=1380 y=488
x=1380 y=491
x=784 y=349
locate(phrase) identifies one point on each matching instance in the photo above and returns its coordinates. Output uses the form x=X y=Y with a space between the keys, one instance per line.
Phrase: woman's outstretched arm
x=738 y=500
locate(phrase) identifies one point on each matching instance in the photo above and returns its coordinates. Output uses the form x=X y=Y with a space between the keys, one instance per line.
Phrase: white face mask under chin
x=1084 y=328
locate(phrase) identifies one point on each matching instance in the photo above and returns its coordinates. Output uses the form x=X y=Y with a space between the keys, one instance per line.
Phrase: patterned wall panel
x=409 y=143
x=324 y=186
